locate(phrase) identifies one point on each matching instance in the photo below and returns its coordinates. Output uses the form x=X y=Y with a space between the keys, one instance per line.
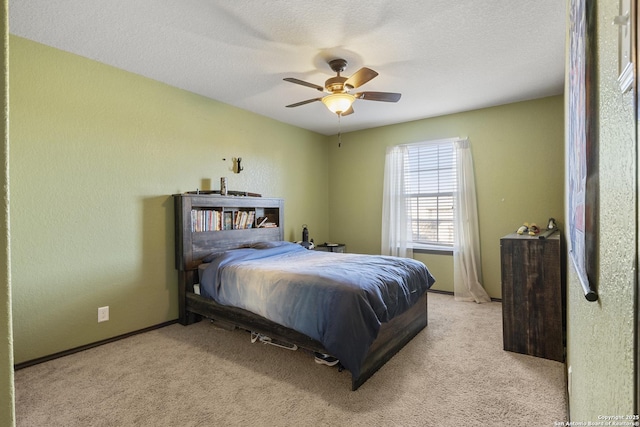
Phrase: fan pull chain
x=339 y=131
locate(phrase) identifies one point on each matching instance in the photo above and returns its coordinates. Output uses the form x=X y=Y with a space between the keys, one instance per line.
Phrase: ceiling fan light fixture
x=338 y=103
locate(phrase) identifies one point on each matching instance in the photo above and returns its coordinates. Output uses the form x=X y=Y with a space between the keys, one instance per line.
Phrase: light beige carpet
x=454 y=373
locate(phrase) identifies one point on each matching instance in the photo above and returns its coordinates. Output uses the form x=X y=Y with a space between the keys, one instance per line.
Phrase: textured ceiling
x=443 y=56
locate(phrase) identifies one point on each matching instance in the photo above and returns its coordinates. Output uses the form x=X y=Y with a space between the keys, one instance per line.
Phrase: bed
x=252 y=279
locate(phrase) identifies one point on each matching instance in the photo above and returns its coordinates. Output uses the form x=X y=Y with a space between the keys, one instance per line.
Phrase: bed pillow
x=270 y=244
x=213 y=255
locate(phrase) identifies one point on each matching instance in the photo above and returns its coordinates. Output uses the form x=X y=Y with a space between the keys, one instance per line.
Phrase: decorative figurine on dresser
x=533 y=292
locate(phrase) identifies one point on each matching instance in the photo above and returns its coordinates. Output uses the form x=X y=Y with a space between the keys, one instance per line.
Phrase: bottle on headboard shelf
x=223 y=186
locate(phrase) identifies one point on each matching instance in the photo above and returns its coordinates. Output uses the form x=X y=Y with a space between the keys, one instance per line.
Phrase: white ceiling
x=443 y=56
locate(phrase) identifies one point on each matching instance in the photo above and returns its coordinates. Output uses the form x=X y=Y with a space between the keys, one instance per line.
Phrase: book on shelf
x=251 y=218
x=205 y=220
x=228 y=221
x=244 y=220
x=263 y=222
x=236 y=220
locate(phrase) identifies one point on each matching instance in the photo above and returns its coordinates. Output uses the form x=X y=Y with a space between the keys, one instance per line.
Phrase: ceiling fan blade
x=379 y=96
x=349 y=111
x=303 y=83
x=360 y=77
x=308 y=101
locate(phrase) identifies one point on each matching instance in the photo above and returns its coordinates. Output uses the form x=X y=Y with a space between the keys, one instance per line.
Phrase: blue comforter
x=337 y=299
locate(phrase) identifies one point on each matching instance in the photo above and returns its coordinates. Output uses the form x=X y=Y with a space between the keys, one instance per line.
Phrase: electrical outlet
x=103 y=314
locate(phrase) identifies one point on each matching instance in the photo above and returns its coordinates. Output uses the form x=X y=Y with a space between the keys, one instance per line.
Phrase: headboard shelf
x=192 y=244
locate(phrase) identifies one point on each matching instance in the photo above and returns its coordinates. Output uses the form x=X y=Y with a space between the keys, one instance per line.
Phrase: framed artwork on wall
x=582 y=147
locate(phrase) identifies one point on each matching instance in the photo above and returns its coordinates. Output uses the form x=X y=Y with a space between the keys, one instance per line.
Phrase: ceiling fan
x=339 y=99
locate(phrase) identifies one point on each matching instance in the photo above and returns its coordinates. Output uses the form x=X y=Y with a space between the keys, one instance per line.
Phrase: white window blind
x=430 y=185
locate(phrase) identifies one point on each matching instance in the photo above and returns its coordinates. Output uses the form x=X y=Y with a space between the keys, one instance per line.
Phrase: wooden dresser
x=533 y=295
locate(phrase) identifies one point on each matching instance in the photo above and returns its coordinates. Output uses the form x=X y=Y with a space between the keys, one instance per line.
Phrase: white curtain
x=467 y=272
x=396 y=230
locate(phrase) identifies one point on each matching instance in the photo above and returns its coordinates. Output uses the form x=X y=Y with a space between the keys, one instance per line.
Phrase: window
x=430 y=185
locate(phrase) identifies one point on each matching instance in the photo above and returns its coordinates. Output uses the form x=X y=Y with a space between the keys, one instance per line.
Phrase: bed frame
x=193 y=246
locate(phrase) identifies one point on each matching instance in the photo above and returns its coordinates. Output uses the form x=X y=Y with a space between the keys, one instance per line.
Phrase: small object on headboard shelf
x=223 y=186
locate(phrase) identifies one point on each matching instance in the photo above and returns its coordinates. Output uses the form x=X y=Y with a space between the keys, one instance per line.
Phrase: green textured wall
x=519 y=167
x=600 y=335
x=96 y=153
x=7 y=412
